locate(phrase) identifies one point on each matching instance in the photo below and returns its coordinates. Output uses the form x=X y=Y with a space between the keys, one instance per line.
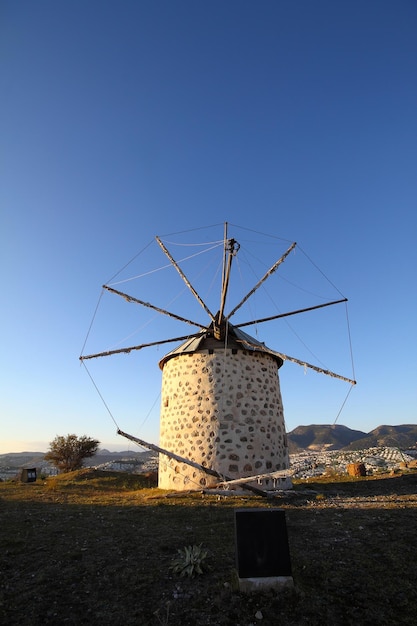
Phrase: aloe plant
x=190 y=561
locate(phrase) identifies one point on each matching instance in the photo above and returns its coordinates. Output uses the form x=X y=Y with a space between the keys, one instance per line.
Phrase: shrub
x=68 y=453
x=190 y=561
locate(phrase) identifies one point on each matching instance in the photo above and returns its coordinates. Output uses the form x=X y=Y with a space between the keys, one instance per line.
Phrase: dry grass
x=96 y=547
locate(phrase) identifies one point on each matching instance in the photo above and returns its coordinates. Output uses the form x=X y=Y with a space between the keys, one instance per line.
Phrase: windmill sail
x=221 y=419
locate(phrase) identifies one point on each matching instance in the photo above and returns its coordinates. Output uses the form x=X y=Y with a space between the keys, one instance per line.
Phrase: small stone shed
x=28 y=475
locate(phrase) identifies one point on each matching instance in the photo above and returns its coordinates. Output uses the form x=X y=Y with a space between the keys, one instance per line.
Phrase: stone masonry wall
x=221 y=409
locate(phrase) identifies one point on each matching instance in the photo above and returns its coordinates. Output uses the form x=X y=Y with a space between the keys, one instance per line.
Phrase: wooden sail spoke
x=262 y=280
x=275 y=317
x=132 y=348
x=152 y=306
x=320 y=370
x=185 y=279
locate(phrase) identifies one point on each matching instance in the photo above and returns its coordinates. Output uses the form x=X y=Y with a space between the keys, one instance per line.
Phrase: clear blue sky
x=125 y=120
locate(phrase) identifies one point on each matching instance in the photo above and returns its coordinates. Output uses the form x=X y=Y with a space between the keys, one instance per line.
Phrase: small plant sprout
x=190 y=561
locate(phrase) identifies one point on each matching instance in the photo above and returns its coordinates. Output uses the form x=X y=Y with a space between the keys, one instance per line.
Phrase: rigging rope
x=350 y=342
x=321 y=272
x=158 y=269
x=343 y=404
x=131 y=261
x=92 y=321
x=151 y=409
x=193 y=230
x=257 y=232
x=102 y=399
x=188 y=245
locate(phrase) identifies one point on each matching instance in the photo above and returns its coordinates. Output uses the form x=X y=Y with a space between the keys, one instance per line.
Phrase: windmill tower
x=221 y=407
x=221 y=416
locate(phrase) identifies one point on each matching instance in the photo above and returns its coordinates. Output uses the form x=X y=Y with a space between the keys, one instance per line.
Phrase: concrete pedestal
x=266 y=583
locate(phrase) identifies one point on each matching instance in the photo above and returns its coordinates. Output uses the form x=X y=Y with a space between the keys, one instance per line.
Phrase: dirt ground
x=97 y=548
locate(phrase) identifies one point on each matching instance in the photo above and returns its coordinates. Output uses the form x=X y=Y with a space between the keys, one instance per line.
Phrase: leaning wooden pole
x=206 y=470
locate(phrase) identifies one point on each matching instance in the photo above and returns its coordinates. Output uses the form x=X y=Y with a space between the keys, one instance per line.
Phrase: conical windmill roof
x=234 y=338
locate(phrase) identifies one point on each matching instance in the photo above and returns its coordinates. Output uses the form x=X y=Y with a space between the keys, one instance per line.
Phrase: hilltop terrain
x=93 y=547
x=313 y=440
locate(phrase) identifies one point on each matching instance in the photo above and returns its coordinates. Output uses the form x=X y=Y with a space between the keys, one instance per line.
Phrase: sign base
x=265 y=583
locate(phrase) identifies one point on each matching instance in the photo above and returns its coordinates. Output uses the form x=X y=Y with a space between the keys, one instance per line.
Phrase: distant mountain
x=404 y=436
x=322 y=436
x=338 y=437
x=105 y=456
x=16 y=460
x=123 y=453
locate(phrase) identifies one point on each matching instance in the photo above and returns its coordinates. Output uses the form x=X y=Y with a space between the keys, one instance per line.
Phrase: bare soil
x=96 y=548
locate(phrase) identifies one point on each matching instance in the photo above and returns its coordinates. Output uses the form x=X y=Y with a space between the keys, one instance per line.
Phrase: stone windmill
x=221 y=417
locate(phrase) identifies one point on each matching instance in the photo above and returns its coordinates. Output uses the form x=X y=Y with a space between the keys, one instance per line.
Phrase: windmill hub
x=219 y=328
x=233 y=246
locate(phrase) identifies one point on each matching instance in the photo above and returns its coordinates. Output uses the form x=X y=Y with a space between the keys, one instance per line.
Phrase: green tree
x=68 y=453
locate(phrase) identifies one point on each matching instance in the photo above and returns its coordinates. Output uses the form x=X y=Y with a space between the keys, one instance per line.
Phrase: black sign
x=262 y=543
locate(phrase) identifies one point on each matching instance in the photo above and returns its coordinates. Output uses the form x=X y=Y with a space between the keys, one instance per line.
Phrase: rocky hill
x=337 y=437
x=322 y=436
